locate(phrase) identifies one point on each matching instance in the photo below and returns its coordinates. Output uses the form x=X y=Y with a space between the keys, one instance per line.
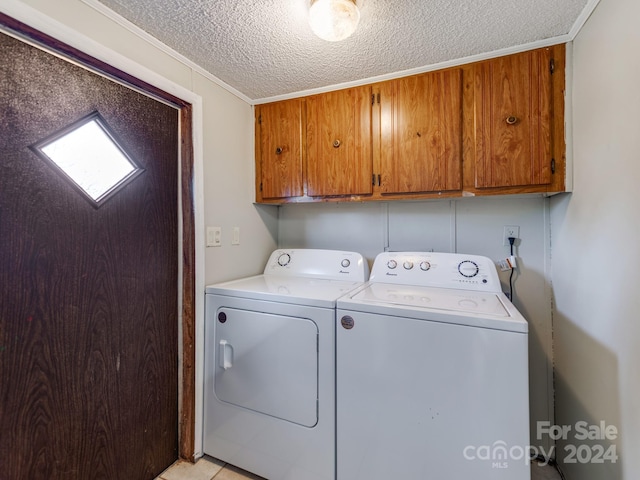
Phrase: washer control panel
x=437 y=269
x=316 y=263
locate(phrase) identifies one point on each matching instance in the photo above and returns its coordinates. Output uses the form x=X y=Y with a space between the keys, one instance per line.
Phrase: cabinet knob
x=336 y=143
x=511 y=120
x=278 y=150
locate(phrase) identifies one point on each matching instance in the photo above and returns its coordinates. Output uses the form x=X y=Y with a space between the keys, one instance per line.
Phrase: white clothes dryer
x=432 y=373
x=270 y=364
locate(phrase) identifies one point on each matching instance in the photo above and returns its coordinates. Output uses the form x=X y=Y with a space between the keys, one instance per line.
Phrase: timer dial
x=468 y=268
x=284 y=259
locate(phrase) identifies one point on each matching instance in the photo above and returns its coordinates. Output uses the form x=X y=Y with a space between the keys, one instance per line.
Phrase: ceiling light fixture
x=333 y=20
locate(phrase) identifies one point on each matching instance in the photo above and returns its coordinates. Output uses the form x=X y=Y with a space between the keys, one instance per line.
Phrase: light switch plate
x=214 y=236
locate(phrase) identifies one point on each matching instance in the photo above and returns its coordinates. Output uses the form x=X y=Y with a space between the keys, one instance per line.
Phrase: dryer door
x=267 y=363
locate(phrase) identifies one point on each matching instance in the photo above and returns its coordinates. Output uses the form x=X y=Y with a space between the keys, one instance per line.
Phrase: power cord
x=511 y=242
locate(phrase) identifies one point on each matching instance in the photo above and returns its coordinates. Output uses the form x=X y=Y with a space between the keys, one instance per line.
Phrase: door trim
x=189 y=106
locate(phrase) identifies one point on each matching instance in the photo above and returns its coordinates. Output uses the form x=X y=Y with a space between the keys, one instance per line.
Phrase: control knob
x=391 y=264
x=284 y=259
x=468 y=268
x=345 y=263
x=407 y=265
x=424 y=266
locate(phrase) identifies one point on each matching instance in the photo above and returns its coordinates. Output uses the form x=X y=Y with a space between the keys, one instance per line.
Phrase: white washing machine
x=432 y=373
x=270 y=364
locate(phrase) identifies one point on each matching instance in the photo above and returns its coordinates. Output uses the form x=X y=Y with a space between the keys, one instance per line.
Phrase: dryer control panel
x=437 y=269
x=317 y=263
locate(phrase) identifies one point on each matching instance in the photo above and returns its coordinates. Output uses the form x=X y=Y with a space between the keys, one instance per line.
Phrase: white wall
x=229 y=187
x=595 y=239
x=470 y=225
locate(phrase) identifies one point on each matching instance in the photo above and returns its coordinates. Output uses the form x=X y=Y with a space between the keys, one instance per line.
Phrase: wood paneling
x=187 y=414
x=512 y=114
x=188 y=405
x=440 y=134
x=421 y=133
x=339 y=150
x=279 y=149
x=88 y=297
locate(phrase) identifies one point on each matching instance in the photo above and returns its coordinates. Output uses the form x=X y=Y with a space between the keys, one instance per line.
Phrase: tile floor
x=208 y=468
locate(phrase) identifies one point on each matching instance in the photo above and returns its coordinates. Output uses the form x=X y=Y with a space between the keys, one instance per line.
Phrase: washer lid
x=436 y=298
x=286 y=289
x=480 y=309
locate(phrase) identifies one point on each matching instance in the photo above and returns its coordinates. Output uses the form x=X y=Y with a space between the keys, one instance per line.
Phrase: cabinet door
x=512 y=116
x=339 y=158
x=421 y=133
x=280 y=142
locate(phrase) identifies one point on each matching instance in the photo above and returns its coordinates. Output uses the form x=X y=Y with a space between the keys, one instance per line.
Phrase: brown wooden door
x=280 y=149
x=88 y=296
x=421 y=133
x=512 y=120
x=339 y=149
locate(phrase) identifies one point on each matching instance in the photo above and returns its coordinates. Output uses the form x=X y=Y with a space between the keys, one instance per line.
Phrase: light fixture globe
x=333 y=20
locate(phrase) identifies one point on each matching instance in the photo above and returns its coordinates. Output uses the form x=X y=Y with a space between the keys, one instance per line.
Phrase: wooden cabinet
x=513 y=110
x=487 y=128
x=279 y=150
x=339 y=159
x=421 y=133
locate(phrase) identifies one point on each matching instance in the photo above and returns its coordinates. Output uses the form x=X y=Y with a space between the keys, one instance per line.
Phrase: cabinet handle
x=278 y=150
x=336 y=143
x=511 y=120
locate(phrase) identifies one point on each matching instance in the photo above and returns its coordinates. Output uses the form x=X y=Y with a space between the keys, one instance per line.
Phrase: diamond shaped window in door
x=87 y=154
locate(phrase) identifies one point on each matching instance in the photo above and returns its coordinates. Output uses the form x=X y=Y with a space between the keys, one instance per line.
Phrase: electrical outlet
x=510 y=231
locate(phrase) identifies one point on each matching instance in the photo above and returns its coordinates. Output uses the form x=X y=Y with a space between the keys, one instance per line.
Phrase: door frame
x=33 y=27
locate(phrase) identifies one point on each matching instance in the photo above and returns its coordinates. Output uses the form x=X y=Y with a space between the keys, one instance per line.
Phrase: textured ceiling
x=265 y=48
